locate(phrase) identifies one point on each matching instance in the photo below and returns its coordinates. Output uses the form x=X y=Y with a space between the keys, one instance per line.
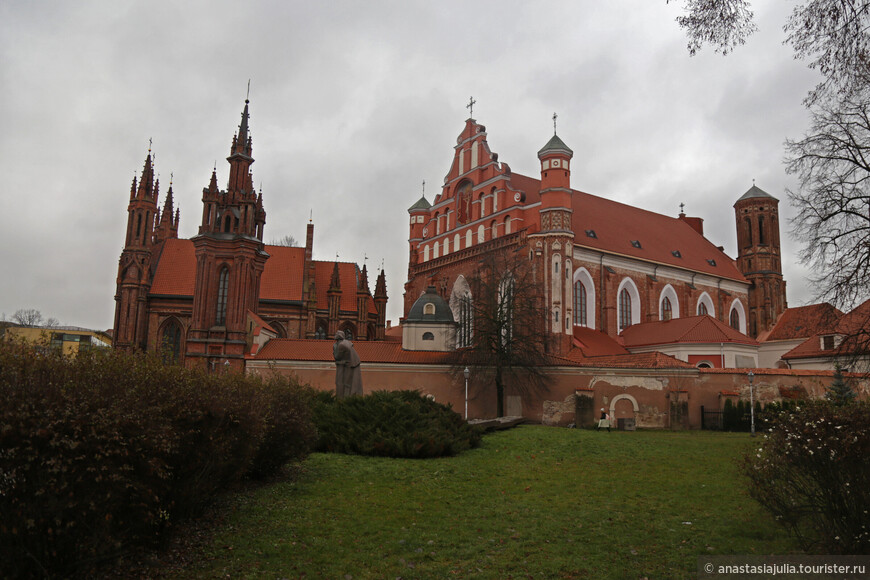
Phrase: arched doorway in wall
x=623 y=407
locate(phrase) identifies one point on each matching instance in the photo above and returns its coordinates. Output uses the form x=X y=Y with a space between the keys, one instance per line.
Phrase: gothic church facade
x=203 y=300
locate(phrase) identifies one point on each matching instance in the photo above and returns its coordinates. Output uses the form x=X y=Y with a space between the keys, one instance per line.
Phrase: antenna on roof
x=554 y=123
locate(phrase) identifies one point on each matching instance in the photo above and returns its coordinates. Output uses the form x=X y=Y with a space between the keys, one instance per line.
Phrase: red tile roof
x=281 y=279
x=616 y=225
x=646 y=360
x=802 y=322
x=261 y=323
x=176 y=271
x=693 y=329
x=592 y=342
x=854 y=327
x=368 y=351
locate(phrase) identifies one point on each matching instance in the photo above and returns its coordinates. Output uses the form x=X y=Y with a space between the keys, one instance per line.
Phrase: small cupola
x=429 y=324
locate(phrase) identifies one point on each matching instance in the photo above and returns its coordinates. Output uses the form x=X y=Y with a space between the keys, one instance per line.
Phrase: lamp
x=751 y=405
x=466 y=372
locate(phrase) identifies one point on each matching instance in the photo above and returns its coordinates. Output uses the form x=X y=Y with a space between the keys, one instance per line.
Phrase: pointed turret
x=333 y=297
x=167 y=227
x=381 y=305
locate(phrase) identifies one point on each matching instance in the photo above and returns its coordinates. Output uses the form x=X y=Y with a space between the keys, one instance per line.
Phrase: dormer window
x=711 y=262
x=636 y=244
x=830 y=342
x=591 y=234
x=676 y=254
x=429 y=309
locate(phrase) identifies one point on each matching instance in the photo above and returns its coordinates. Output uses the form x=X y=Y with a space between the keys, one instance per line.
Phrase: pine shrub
x=810 y=471
x=390 y=424
x=107 y=451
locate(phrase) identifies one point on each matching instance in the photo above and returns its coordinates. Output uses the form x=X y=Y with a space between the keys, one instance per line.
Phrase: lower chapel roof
x=281 y=279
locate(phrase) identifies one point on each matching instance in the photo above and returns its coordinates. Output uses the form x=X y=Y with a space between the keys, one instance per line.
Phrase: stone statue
x=348 y=378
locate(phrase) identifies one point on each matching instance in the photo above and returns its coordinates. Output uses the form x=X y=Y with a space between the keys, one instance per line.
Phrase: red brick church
x=605 y=266
x=205 y=300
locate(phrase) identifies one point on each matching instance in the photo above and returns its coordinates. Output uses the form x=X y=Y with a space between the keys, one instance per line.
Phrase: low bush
x=390 y=424
x=107 y=451
x=810 y=470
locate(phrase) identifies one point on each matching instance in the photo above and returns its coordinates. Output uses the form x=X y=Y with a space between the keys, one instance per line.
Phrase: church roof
x=422 y=203
x=555 y=144
x=609 y=226
x=693 y=329
x=802 y=322
x=755 y=192
x=441 y=312
x=853 y=327
x=593 y=342
x=281 y=279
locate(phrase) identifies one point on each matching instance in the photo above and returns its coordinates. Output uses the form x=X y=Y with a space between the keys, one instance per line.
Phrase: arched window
x=437 y=223
x=425 y=253
x=737 y=316
x=702 y=309
x=481 y=234
x=463 y=312
x=735 y=319
x=434 y=250
x=579 y=304
x=761 y=239
x=220 y=318
x=469 y=239
x=494 y=227
x=446 y=246
x=171 y=341
x=705 y=305
x=456 y=240
x=624 y=310
x=667 y=313
x=748 y=223
x=227 y=223
x=628 y=304
x=669 y=304
x=584 y=299
x=429 y=309
x=428 y=336
x=321 y=330
x=349 y=331
x=507 y=225
x=506 y=308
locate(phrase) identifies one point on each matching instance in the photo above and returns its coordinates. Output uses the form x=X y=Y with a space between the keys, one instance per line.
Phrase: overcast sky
x=353 y=105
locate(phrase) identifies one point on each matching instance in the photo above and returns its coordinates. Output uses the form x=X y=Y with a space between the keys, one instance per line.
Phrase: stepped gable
x=803 y=322
x=693 y=329
x=617 y=224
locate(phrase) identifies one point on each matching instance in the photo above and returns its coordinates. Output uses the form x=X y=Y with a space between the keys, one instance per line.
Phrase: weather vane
x=554 y=123
x=682 y=205
x=424 y=188
x=470 y=107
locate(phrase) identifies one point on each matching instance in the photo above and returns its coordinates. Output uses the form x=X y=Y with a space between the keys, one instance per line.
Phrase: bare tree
x=832 y=35
x=27 y=317
x=832 y=163
x=287 y=240
x=508 y=343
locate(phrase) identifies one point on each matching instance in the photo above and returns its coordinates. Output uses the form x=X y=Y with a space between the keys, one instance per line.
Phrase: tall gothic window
x=466 y=322
x=735 y=319
x=702 y=309
x=624 y=310
x=667 y=312
x=171 y=341
x=580 y=304
x=220 y=318
x=761 y=239
x=748 y=232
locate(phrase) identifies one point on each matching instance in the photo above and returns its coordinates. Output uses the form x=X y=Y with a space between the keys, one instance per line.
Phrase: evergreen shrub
x=106 y=451
x=810 y=470
x=390 y=424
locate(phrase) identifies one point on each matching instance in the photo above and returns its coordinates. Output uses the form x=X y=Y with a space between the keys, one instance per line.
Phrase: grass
x=530 y=502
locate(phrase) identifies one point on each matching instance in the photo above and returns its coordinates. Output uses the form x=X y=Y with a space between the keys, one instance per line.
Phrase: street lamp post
x=466 y=372
x=751 y=406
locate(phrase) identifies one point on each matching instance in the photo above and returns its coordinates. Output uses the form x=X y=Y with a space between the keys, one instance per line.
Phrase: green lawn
x=530 y=502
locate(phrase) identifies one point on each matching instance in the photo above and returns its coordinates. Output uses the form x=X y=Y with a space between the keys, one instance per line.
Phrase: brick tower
x=553 y=244
x=230 y=257
x=758 y=257
x=134 y=267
